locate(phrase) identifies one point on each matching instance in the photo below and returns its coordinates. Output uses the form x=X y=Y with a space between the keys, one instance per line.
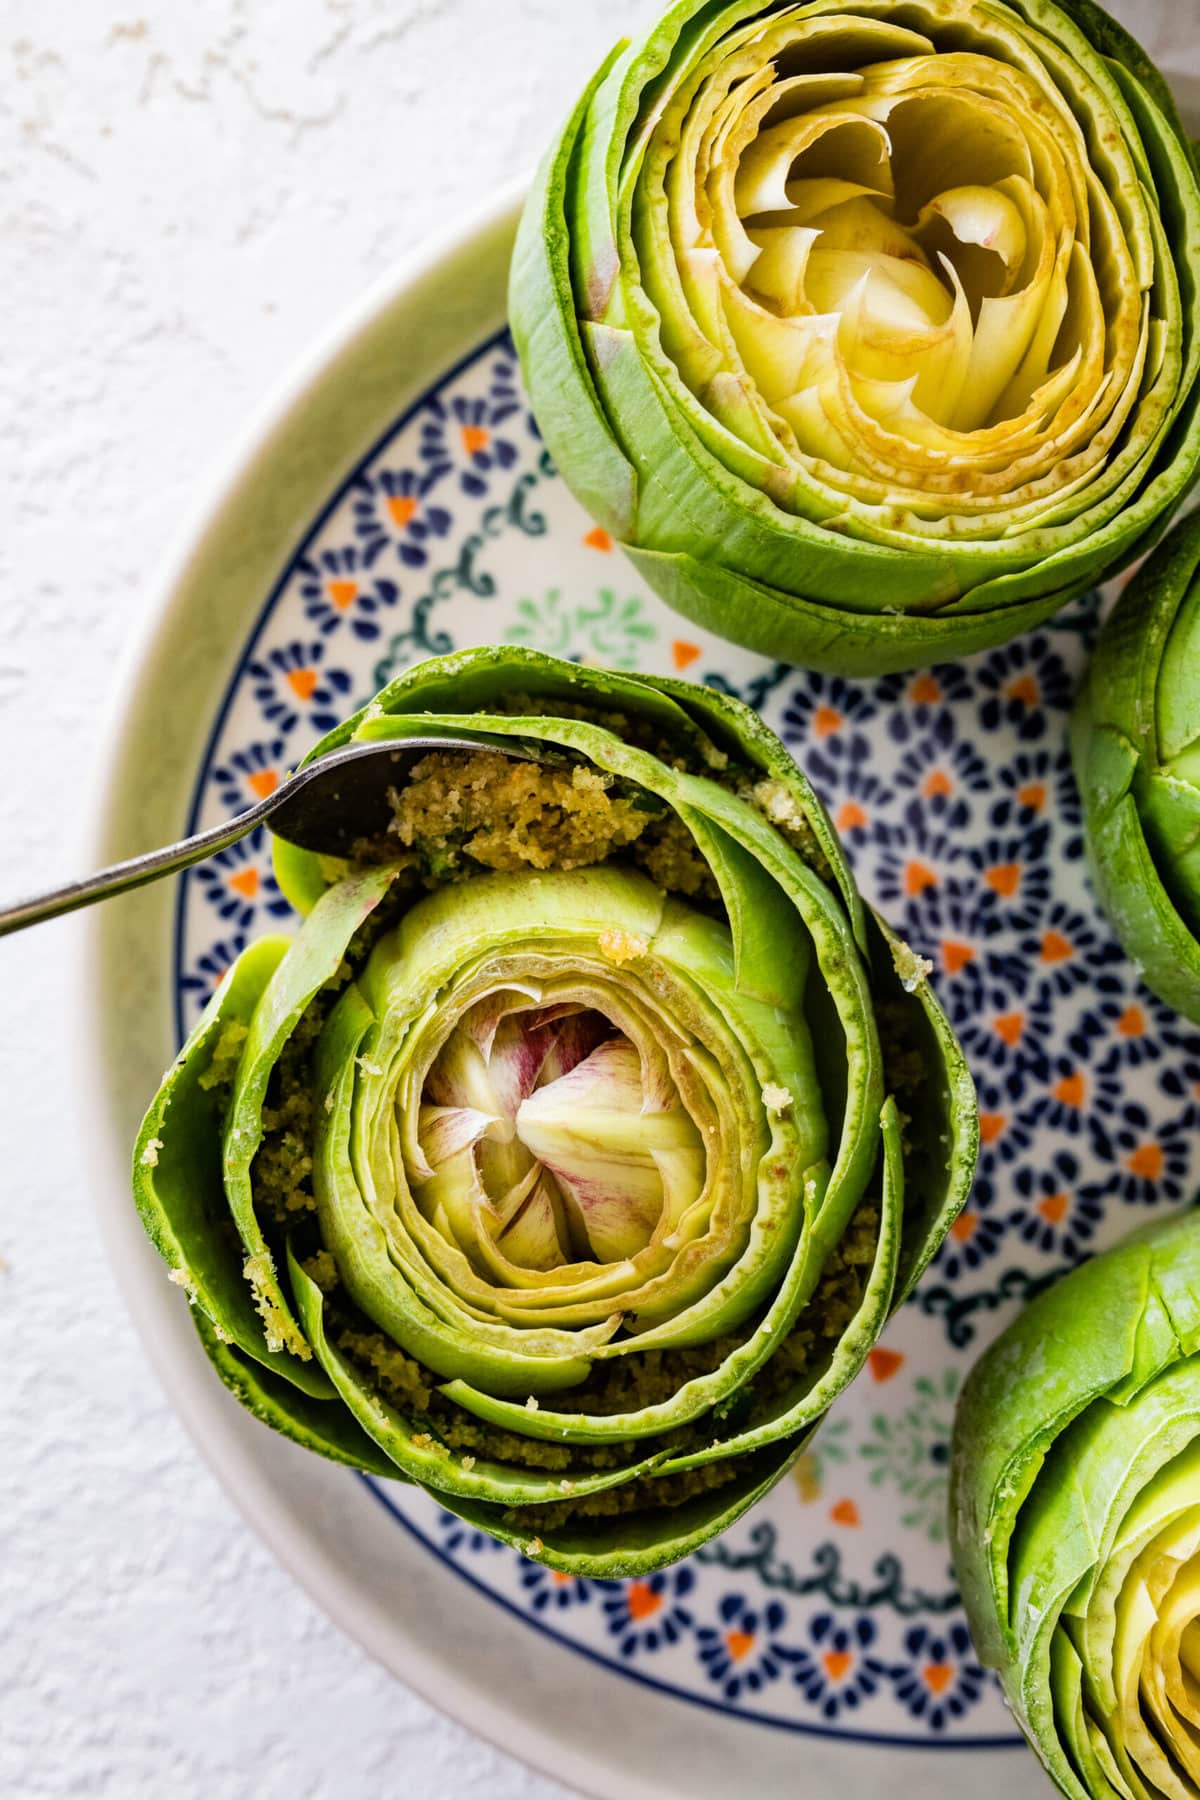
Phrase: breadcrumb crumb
x=621 y=946
x=911 y=968
x=281 y=1332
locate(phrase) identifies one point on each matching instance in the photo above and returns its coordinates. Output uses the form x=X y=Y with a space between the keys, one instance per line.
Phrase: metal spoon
x=315 y=808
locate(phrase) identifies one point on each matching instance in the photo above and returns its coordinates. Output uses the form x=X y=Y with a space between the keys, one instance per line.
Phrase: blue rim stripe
x=743 y=1714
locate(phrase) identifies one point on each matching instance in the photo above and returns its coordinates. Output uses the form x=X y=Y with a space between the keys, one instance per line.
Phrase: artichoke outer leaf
x=177 y=1178
x=636 y=1544
x=1125 y=57
x=818 y=635
x=945 y=1122
x=1131 y=891
x=811 y=1396
x=771 y=950
x=733 y=724
x=547 y=333
x=323 y=1426
x=1133 y=744
x=418 y=1454
x=313 y=960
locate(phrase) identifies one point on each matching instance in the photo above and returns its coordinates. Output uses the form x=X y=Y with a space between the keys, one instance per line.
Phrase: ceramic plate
x=399 y=503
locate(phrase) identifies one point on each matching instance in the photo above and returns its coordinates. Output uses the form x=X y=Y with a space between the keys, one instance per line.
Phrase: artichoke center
x=892 y=267
x=934 y=291
x=543 y=1128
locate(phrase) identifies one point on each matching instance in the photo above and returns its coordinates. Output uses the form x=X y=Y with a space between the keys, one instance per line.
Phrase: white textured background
x=189 y=191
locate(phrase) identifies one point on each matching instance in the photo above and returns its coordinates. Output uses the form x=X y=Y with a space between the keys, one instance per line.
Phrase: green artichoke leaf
x=550 y=341
x=872 y=413
x=819 y=636
x=424 y=1458
x=1134 y=736
x=942 y=1114
x=177 y=1180
x=323 y=1426
x=814 y=1390
x=634 y=1544
x=312 y=961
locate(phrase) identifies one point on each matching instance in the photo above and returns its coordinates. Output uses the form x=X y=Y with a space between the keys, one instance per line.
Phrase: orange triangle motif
x=245 y=883
x=836 y=1663
x=403 y=509
x=598 y=539
x=1056 y=948
x=641 y=1600
x=884 y=1363
x=938 y=1676
x=955 y=957
x=302 y=682
x=263 y=782
x=475 y=438
x=1071 y=1090
x=1004 y=879
x=925 y=690
x=738 y=1643
x=851 y=817
x=343 y=593
x=991 y=1125
x=684 y=654
x=917 y=877
x=1146 y=1161
x=1009 y=1027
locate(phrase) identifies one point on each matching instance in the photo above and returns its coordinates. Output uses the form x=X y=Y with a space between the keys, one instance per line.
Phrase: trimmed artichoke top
x=1075 y=1511
x=1136 y=743
x=571 y=1157
x=869 y=331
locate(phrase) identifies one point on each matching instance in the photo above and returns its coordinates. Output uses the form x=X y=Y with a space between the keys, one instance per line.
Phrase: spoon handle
x=135 y=872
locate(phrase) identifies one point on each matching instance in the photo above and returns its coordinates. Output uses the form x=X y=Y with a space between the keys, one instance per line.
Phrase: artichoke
x=570 y=1158
x=869 y=330
x=1075 y=1497
x=1136 y=745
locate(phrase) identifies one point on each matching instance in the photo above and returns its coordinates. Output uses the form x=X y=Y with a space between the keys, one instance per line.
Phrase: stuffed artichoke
x=570 y=1158
x=1076 y=1517
x=1136 y=742
x=869 y=330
